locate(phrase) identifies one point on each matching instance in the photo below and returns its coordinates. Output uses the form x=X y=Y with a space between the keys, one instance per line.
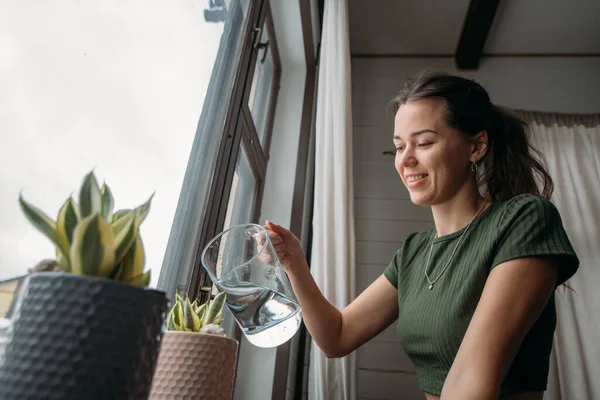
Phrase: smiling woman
x=474 y=297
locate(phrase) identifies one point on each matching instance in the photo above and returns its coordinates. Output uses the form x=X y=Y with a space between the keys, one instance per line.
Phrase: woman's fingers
x=275 y=238
x=279 y=248
x=276 y=241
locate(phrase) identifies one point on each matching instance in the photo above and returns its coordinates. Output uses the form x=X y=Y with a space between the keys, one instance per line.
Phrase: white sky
x=113 y=85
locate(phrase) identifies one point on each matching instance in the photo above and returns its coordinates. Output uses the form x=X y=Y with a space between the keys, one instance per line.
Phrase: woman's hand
x=287 y=246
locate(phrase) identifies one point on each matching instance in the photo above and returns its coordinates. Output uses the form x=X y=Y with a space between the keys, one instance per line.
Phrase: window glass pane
x=243 y=193
x=239 y=210
x=241 y=200
x=262 y=83
x=113 y=86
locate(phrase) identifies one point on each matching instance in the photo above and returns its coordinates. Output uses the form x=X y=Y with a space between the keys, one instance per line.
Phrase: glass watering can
x=242 y=262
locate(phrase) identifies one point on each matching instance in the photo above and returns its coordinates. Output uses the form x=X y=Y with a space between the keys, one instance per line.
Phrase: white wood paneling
x=371 y=141
x=380 y=189
x=368 y=252
x=390 y=210
x=551 y=84
x=381 y=230
x=377 y=170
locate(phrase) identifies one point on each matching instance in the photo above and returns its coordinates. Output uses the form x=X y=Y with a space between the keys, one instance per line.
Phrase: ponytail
x=512 y=166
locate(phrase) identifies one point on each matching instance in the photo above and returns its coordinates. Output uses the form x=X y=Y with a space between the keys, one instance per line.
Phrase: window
x=112 y=87
x=119 y=89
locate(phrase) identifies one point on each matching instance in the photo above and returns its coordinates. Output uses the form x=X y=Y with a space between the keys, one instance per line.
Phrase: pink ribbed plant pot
x=195 y=366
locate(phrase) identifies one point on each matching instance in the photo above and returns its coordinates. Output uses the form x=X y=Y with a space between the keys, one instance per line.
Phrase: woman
x=474 y=297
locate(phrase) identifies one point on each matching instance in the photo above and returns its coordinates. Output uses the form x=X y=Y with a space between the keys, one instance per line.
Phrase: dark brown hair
x=511 y=166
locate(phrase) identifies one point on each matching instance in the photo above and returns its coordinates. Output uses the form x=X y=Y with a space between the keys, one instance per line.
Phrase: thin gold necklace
x=432 y=282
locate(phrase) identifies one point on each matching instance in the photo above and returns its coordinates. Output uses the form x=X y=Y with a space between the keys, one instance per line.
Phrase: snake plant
x=188 y=316
x=91 y=239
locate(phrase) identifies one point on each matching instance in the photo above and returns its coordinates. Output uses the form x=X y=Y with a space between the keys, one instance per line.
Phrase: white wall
x=383 y=211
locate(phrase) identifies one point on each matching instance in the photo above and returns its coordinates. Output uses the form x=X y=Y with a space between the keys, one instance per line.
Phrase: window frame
x=239 y=130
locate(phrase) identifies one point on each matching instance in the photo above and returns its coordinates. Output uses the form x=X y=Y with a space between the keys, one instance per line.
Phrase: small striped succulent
x=92 y=240
x=188 y=316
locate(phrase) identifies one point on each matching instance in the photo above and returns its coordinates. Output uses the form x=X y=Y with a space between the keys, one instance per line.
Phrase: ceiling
x=433 y=27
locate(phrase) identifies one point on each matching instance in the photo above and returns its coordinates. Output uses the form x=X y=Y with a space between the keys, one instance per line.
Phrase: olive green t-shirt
x=432 y=323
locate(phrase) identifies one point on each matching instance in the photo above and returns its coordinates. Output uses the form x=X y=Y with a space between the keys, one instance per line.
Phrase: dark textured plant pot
x=195 y=366
x=78 y=337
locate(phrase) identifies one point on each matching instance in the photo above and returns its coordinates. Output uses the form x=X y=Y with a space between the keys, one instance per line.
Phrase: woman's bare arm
x=514 y=296
x=337 y=333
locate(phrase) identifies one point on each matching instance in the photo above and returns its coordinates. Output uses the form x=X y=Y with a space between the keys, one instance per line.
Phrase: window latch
x=258 y=45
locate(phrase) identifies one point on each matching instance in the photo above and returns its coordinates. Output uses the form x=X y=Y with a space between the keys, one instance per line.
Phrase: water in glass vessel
x=242 y=262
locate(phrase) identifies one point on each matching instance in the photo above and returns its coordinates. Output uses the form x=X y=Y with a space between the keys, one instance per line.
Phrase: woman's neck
x=457 y=213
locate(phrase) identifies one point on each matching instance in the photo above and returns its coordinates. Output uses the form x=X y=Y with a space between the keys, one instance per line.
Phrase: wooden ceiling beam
x=476 y=27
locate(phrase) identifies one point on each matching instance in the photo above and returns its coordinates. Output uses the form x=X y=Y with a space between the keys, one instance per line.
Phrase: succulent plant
x=186 y=316
x=92 y=240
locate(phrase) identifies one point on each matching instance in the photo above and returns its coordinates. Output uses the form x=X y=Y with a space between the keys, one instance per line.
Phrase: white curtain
x=332 y=262
x=571 y=146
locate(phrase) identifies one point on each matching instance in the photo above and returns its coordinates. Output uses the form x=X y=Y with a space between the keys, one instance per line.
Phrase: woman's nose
x=407 y=158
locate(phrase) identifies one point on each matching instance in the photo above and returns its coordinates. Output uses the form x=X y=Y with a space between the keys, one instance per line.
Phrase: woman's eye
x=399 y=149
x=425 y=144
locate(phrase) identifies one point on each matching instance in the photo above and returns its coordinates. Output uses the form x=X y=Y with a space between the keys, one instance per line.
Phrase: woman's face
x=432 y=159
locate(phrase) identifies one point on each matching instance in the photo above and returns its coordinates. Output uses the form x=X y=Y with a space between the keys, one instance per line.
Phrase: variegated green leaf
x=89 y=196
x=201 y=311
x=133 y=261
x=116 y=272
x=42 y=222
x=62 y=261
x=177 y=314
x=142 y=280
x=108 y=202
x=120 y=213
x=182 y=315
x=171 y=322
x=124 y=239
x=122 y=222
x=139 y=259
x=92 y=251
x=65 y=223
x=215 y=309
x=192 y=322
x=142 y=211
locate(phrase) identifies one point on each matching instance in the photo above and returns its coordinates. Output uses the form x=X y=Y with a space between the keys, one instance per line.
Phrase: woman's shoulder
x=527 y=198
x=528 y=206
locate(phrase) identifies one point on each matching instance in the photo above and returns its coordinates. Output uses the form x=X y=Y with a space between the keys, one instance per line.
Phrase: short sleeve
x=532 y=226
x=391 y=271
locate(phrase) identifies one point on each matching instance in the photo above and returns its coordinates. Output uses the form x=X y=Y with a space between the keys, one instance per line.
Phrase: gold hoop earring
x=474 y=166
